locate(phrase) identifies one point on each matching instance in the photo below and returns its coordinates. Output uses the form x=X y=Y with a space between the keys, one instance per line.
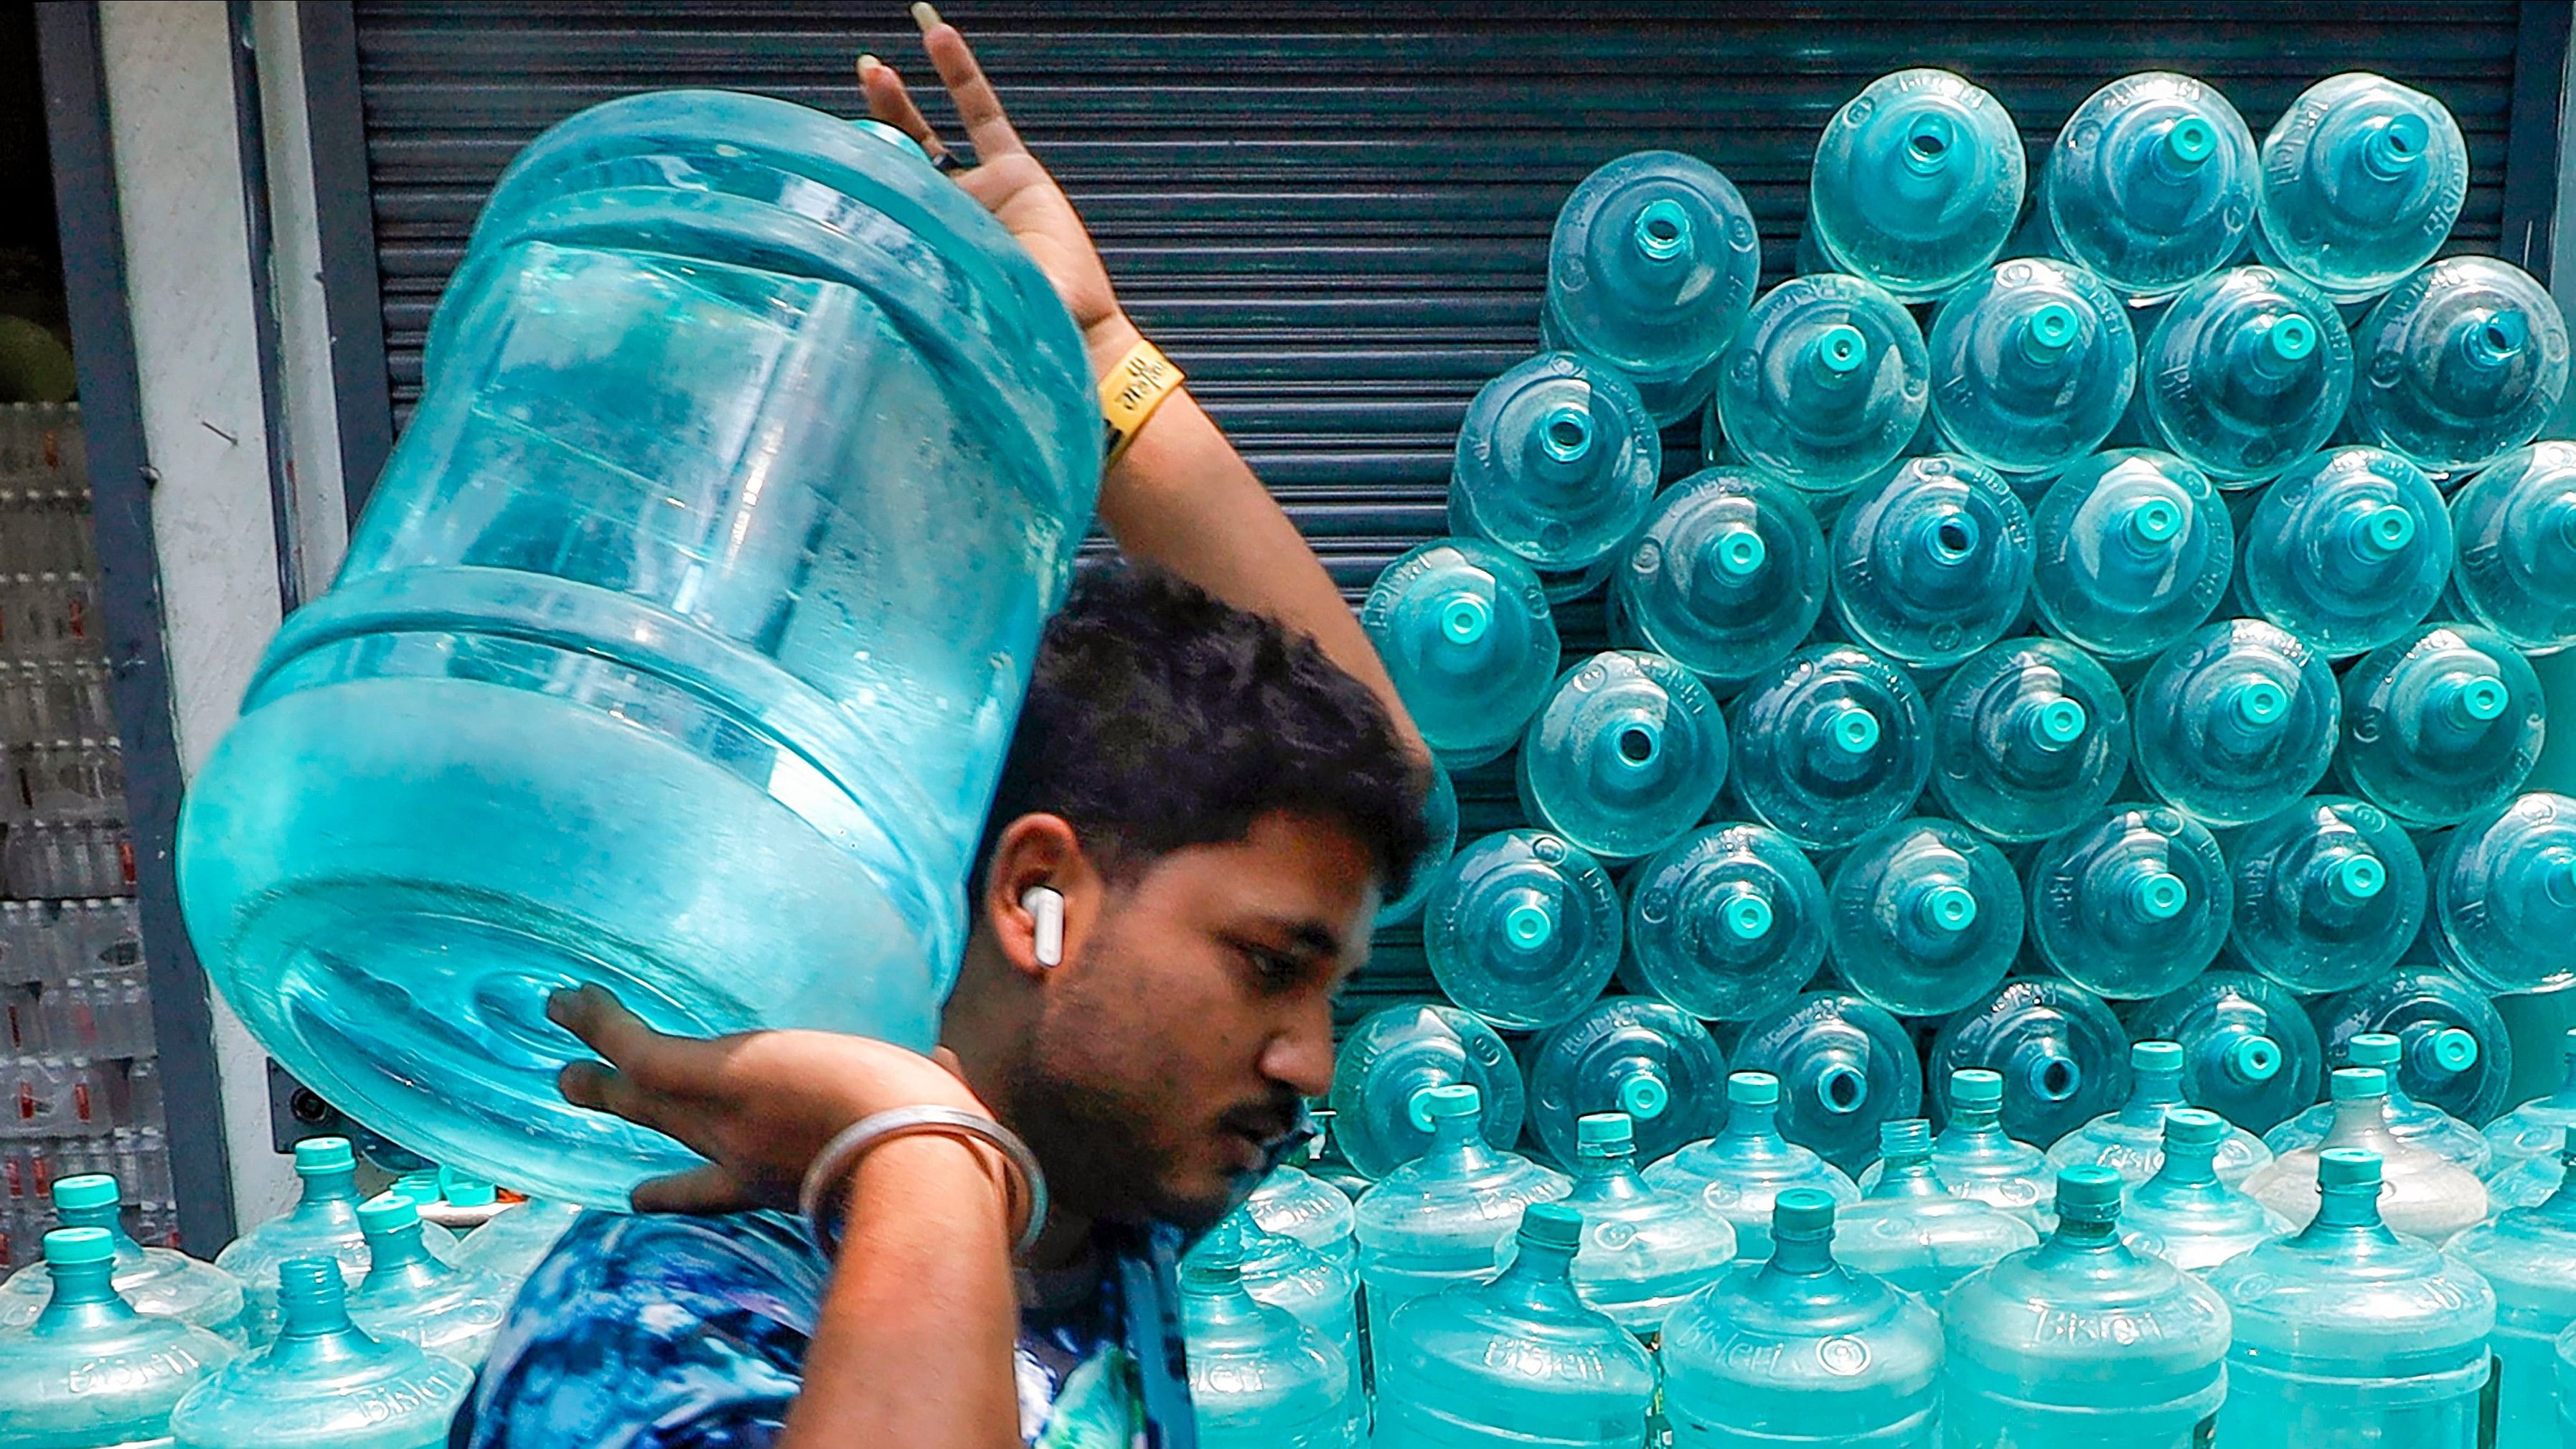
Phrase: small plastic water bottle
x=2348 y=1324
x=2461 y=363
x=2054 y=1344
x=89 y=1369
x=323 y=1223
x=2249 y=1051
x=2029 y=737
x=2456 y=1054
x=1389 y=1063
x=2062 y=1055
x=2528 y=1256
x=2362 y=178
x=2348 y=549
x=2535 y=1129
x=2329 y=895
x=1932 y=564
x=2130 y=904
x=1917 y=183
x=1303 y=1208
x=1741 y=1172
x=2151 y=184
x=408 y=1294
x=1926 y=916
x=1645 y=1248
x=1557 y=460
x=1844 y=1065
x=1467 y=635
x=1523 y=929
x=2033 y=364
x=1258 y=1375
x=2515 y=527
x=2245 y=373
x=323 y=1382
x=2408 y=1120
x=2184 y=1214
x=1648 y=1060
x=2440 y=723
x=2131 y=550
x=1977 y=1159
x=1726 y=577
x=1651 y=268
x=2235 y=722
x=155 y=1282
x=1830 y=744
x=1824 y=384
x=1726 y=923
x=1916 y=1231
x=2504 y=895
x=2427 y=1196
x=1798 y=1349
x=1625 y=757
x=2131 y=1141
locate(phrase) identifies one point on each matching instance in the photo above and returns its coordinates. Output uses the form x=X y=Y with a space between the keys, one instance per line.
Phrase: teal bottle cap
x=2156 y=1056
x=2254 y=1059
x=2347 y=1167
x=420 y=1187
x=387 y=1212
x=74 y=1247
x=1748 y=918
x=2088 y=1194
x=2387 y=529
x=1528 y=925
x=88 y=1191
x=2454 y=1049
x=2484 y=697
x=2052 y=327
x=2192 y=1127
x=2156 y=520
x=2292 y=337
x=1740 y=553
x=1643 y=1097
x=1854 y=730
x=2160 y=895
x=1753 y=1089
x=1464 y=618
x=1802 y=1212
x=1905 y=1137
x=1976 y=1087
x=1841 y=349
x=2359 y=877
x=2261 y=702
x=2374 y=1049
x=1457 y=1099
x=317 y=1155
x=1950 y=908
x=1604 y=1134
x=2191 y=139
x=2061 y=721
x=2351 y=1083
x=467 y=1192
x=1551 y=1225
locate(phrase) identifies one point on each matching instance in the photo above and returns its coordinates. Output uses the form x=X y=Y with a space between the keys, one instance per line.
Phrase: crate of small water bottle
x=50 y=1095
x=50 y=702
x=46 y=941
x=41 y=447
x=71 y=780
x=49 y=614
x=45 y=530
x=67 y=860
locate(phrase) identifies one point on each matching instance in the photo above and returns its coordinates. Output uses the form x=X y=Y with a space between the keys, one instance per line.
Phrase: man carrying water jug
x=1210 y=784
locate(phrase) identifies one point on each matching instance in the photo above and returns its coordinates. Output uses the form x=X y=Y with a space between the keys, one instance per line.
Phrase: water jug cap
x=2254 y=1059
x=2261 y=702
x=2374 y=1049
x=388 y=1212
x=317 y=1155
x=1951 y=908
x=2387 y=529
x=2192 y=1127
x=1551 y=1225
x=1604 y=1134
x=1976 y=1087
x=1464 y=618
x=1855 y=730
x=2359 y=877
x=2156 y=1056
x=2347 y=1167
x=2292 y=337
x=419 y=1186
x=2455 y=1049
x=2155 y=520
x=1740 y=553
x=2484 y=697
x=2061 y=721
x=2053 y=327
x=2088 y=1194
x=1643 y=1096
x=1748 y=918
x=2191 y=140
x=1905 y=1137
x=1456 y=1099
x=88 y=1190
x=1802 y=1212
x=1841 y=349
x=2352 y=1083
x=73 y=1247
x=467 y=1192
x=1753 y=1089
x=2160 y=895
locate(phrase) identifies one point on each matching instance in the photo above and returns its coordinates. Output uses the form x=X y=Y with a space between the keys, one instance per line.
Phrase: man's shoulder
x=764 y=1256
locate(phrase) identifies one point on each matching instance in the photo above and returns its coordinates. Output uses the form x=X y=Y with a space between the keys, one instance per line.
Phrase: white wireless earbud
x=1047 y=904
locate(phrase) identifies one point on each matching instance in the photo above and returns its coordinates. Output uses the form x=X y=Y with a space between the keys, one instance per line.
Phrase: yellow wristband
x=1131 y=392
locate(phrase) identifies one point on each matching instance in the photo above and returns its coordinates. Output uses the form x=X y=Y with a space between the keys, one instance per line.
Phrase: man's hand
x=757 y=1106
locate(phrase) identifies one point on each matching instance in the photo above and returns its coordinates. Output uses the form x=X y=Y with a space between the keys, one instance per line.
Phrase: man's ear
x=1035 y=855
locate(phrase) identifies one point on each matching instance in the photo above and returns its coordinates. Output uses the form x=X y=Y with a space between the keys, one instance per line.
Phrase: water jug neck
x=1943 y=537
x=1850 y=730
x=2049 y=332
x=1938 y=905
x=2193 y=1165
x=2376 y=532
x=81 y=1263
x=2047 y=1067
x=2438 y=1052
x=1540 y=1279
x=2470 y=700
x=1663 y=235
x=2156 y=1086
x=1931 y=145
x=2277 y=348
x=1839 y=1081
x=2051 y=722
x=2150 y=526
x=313 y=1318
x=1905 y=1161
x=1600 y=1180
x=1802 y=1234
x=2088 y=1211
x=1458 y=1146
x=2348 y=1187
x=1220 y=1308
x=2148 y=892
x=2186 y=146
x=2393 y=148
x=2348 y=876
x=1563 y=439
x=2247 y=1057
x=1837 y=354
x=1753 y=1112
x=1631 y=750
x=1463 y=617
x=2492 y=338
x=1735 y=553
x=1527 y=919
x=1740 y=909
x=2361 y=1121
x=2251 y=710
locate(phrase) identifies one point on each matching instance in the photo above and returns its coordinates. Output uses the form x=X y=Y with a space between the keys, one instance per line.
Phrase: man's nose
x=1300 y=1057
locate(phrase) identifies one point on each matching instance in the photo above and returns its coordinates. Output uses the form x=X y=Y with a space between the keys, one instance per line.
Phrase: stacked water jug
x=2000 y=947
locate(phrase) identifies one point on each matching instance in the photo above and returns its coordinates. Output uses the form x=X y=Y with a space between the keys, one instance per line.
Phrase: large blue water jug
x=1523 y=929
x=2407 y=1120
x=650 y=663
x=2245 y=373
x=409 y=1295
x=2029 y=737
x=2250 y=1053
x=1917 y=183
x=2061 y=1053
x=2151 y=184
x=155 y=1282
x=2533 y=1130
x=2503 y=903
x=2515 y=527
x=2131 y=550
x=2132 y=903
x=324 y=1383
x=1830 y=744
x=89 y=1372
x=1467 y=635
x=1387 y=1066
x=1316 y=1288
x=1911 y=1228
x=2440 y=723
x=1801 y=1350
x=1258 y=1376
x=1557 y=460
x=2463 y=362
x=1824 y=384
x=1648 y=1060
x=1727 y=922
x=1844 y=1064
x=2185 y=1214
x=1974 y=1156
x=322 y=1224
x=2348 y=1334
x=2362 y=178
x=1926 y=916
x=2329 y=894
x=1740 y=1172
x=1440 y=820
x=2427 y=1195
x=2348 y=549
x=1651 y=268
x=2131 y=1141
x=1726 y=577
x=2528 y=1256
x=1303 y=1208
x=1932 y=564
x=2235 y=722
x=2457 y=1055
x=1625 y=757
x=1645 y=1248
x=2033 y=364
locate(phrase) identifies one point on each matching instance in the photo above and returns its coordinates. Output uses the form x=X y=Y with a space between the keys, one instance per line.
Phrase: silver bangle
x=832 y=1166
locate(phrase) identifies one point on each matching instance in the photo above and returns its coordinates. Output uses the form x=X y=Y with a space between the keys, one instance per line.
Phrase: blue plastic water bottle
x=2131 y=1141
x=1913 y=1229
x=2250 y=1053
x=2151 y=184
x=323 y=1223
x=1523 y=929
x=2235 y=723
x=1648 y=1060
x=2462 y=363
x=324 y=1383
x=650 y=664
x=1727 y=922
x=1741 y=1172
x=2349 y=1333
x=89 y=1370
x=1844 y=1065
x=2131 y=550
x=1389 y=1063
x=1645 y=1248
x=1651 y=268
x=1303 y=1208
x=1977 y=1159
x=1467 y=635
x=2029 y=737
x=1931 y=565
x=2528 y=1256
x=2440 y=723
x=2515 y=527
x=2061 y=1053
x=1258 y=1376
x=1800 y=1350
x=155 y=1282
x=2503 y=904
x=2428 y=1196
x=2055 y=1344
x=1726 y=577
x=2348 y=549
x=1824 y=384
x=1557 y=460
x=1830 y=744
x=1319 y=1290
x=2032 y=365
x=2184 y=1214
x=2245 y=374
x=1926 y=916
x=409 y=1295
x=2329 y=894
x=2406 y=1119
x=2362 y=178
x=2534 y=1129
x=2456 y=1054
x=1625 y=757
x=2130 y=904
x=1917 y=183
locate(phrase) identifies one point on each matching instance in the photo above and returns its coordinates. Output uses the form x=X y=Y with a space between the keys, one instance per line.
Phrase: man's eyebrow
x=1308 y=935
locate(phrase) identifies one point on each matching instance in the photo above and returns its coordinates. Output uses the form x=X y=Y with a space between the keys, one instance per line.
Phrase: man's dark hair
x=1159 y=717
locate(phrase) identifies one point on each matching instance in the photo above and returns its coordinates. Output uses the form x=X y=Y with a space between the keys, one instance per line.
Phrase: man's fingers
x=977 y=106
x=889 y=101
x=603 y=1088
x=593 y=1013
x=708 y=1189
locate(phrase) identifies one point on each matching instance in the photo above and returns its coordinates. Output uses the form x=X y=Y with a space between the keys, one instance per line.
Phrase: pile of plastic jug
x=2000 y=950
